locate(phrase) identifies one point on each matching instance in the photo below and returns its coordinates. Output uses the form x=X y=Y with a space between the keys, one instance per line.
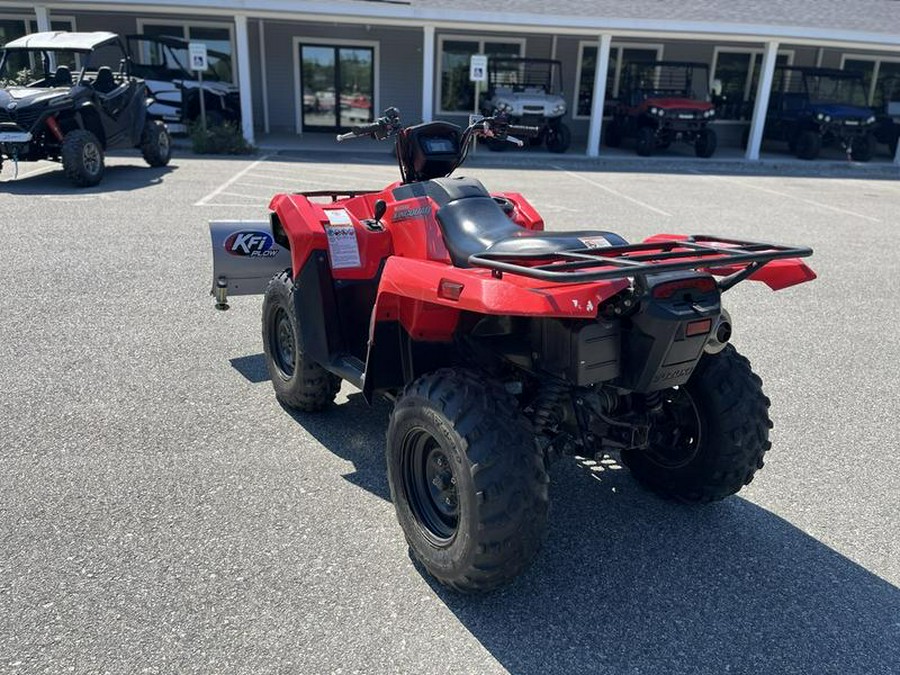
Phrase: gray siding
x=399 y=75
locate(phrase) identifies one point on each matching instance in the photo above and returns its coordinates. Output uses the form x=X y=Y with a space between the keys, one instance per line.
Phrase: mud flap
x=245 y=257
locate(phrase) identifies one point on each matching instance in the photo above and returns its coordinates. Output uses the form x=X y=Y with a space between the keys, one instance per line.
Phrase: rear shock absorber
x=653 y=401
x=53 y=125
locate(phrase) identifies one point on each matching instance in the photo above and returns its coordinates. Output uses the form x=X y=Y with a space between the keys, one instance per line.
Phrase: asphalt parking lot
x=161 y=513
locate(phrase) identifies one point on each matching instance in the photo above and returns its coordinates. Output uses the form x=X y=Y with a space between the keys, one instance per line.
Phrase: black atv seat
x=473 y=222
x=62 y=77
x=104 y=82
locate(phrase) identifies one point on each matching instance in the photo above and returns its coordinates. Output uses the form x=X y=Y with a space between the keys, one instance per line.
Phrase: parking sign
x=478 y=68
x=197 y=56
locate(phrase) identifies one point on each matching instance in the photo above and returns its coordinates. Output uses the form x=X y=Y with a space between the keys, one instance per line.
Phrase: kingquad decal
x=252 y=244
x=407 y=212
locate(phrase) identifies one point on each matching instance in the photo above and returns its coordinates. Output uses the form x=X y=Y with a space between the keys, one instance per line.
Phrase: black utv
x=74 y=99
x=175 y=91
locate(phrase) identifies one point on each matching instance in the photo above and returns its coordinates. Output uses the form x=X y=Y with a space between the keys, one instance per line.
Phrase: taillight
x=670 y=288
x=701 y=327
x=450 y=290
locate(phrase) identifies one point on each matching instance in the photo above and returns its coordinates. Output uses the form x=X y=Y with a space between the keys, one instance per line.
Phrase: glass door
x=338 y=86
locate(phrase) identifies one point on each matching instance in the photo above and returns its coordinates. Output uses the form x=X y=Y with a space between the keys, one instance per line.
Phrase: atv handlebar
x=386 y=125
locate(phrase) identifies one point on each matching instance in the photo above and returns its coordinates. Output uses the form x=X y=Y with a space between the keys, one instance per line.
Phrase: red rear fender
x=777 y=274
x=405 y=282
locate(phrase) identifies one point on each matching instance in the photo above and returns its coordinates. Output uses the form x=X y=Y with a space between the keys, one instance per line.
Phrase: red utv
x=503 y=346
x=661 y=102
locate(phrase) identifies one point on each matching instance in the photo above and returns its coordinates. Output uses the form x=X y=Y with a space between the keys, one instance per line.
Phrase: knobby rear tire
x=733 y=434
x=493 y=470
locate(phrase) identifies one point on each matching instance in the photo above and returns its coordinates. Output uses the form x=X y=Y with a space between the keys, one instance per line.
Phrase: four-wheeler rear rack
x=700 y=252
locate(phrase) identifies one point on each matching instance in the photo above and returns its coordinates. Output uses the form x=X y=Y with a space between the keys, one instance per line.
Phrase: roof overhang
x=376 y=13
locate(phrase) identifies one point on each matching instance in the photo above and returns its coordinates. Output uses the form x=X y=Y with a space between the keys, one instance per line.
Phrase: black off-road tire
x=612 y=134
x=808 y=145
x=82 y=158
x=467 y=480
x=646 y=141
x=892 y=145
x=732 y=415
x=299 y=382
x=706 y=143
x=863 y=148
x=559 y=138
x=156 y=145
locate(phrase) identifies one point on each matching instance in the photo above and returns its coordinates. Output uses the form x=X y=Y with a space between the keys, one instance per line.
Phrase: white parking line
x=811 y=202
x=613 y=192
x=256 y=174
x=243 y=196
x=226 y=184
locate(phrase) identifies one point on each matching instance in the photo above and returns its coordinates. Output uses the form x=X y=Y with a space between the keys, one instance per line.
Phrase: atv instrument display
x=503 y=346
x=81 y=101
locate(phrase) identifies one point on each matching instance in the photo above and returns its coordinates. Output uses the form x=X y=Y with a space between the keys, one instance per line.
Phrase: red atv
x=661 y=102
x=503 y=346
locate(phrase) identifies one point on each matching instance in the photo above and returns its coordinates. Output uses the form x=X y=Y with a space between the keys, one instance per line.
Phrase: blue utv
x=812 y=108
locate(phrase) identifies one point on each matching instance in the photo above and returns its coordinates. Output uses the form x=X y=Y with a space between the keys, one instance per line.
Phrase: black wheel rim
x=281 y=342
x=90 y=157
x=676 y=433
x=430 y=485
x=163 y=144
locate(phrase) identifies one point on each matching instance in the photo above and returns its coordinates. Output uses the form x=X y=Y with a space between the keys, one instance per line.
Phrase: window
x=878 y=75
x=216 y=37
x=12 y=28
x=457 y=93
x=619 y=56
x=737 y=70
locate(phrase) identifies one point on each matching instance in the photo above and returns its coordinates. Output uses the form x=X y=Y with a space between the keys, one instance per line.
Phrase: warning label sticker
x=594 y=242
x=343 y=249
x=338 y=216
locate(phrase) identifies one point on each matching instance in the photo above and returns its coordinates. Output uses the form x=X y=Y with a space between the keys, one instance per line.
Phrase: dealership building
x=297 y=63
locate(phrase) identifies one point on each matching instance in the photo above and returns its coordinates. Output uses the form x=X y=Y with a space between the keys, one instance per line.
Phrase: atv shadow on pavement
x=628 y=582
x=52 y=181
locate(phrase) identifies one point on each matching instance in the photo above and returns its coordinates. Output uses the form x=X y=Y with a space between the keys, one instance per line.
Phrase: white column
x=599 y=97
x=42 y=14
x=264 y=85
x=43 y=18
x=243 y=62
x=758 y=121
x=427 y=72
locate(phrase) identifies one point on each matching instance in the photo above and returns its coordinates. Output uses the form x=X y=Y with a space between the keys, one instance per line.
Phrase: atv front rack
x=697 y=252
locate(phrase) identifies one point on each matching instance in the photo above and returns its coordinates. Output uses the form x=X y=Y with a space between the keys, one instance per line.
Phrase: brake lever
x=518 y=141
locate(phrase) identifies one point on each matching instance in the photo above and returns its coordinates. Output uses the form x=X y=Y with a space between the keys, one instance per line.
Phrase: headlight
x=560 y=108
x=827 y=118
x=654 y=111
x=871 y=120
x=820 y=117
x=660 y=112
